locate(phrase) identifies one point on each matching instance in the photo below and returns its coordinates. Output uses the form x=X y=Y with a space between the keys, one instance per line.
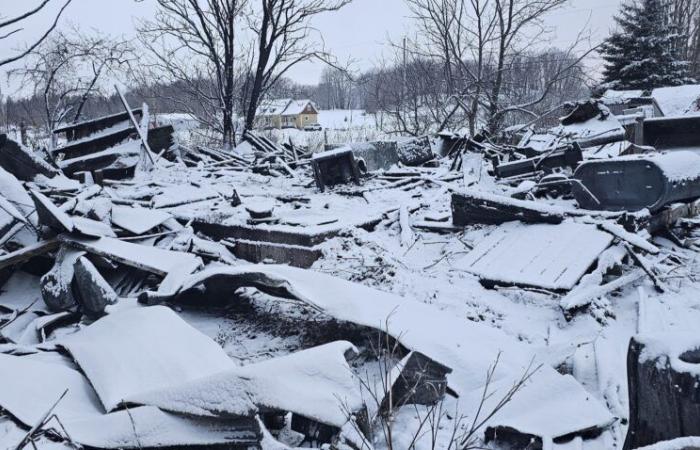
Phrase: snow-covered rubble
x=219 y=298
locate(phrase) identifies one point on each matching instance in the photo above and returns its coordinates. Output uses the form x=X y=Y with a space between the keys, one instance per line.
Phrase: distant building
x=179 y=121
x=661 y=102
x=286 y=113
x=628 y=102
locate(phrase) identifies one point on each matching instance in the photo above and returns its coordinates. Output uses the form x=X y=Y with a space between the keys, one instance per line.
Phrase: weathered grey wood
x=144 y=138
x=20 y=161
x=469 y=208
x=664 y=403
x=27 y=253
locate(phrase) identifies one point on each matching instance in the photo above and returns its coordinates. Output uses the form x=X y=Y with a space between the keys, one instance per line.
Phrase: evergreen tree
x=644 y=52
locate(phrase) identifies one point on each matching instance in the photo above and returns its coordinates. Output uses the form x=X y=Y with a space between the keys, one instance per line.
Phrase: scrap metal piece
x=473 y=207
x=668 y=133
x=636 y=182
x=348 y=163
x=569 y=156
x=335 y=167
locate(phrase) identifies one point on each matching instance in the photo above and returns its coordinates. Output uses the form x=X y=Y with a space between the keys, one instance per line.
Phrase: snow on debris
x=140 y=350
x=149 y=427
x=668 y=348
x=550 y=256
x=221 y=298
x=677 y=100
x=683 y=443
x=32 y=387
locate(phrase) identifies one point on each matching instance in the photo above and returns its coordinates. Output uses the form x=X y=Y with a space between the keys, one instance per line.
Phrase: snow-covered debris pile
x=196 y=296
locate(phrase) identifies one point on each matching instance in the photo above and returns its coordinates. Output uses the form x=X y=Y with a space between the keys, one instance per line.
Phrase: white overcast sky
x=358 y=32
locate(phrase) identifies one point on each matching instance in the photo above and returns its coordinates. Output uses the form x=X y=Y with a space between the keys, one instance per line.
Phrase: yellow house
x=287 y=113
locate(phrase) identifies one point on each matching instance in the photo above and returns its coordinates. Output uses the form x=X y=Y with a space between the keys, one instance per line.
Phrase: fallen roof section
x=469 y=348
x=148 y=427
x=136 y=351
x=166 y=263
x=545 y=256
x=316 y=383
x=29 y=388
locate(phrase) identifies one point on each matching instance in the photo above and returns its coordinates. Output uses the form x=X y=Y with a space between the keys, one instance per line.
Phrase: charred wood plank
x=257 y=252
x=27 y=253
x=470 y=208
x=569 y=156
x=664 y=393
x=89 y=146
x=85 y=128
x=22 y=162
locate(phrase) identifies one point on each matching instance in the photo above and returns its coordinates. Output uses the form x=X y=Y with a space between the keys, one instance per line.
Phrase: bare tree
x=283 y=30
x=66 y=70
x=195 y=44
x=684 y=16
x=471 y=48
x=336 y=89
x=14 y=25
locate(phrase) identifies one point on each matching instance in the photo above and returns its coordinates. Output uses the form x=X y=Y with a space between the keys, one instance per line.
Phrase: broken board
x=137 y=220
x=544 y=256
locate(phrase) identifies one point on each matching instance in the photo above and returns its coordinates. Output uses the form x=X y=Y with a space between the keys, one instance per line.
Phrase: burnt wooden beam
x=469 y=208
x=664 y=399
x=87 y=127
x=27 y=253
x=569 y=156
x=22 y=162
x=96 y=145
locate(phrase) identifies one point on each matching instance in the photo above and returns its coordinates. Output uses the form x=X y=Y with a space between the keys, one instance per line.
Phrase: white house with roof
x=286 y=113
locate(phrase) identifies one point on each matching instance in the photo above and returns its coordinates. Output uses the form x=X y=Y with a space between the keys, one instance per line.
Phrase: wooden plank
x=469 y=208
x=137 y=220
x=580 y=298
x=27 y=253
x=150 y=259
x=647 y=267
x=544 y=256
x=144 y=139
x=631 y=238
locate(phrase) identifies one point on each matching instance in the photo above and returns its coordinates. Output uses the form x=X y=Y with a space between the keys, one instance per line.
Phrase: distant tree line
x=479 y=65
